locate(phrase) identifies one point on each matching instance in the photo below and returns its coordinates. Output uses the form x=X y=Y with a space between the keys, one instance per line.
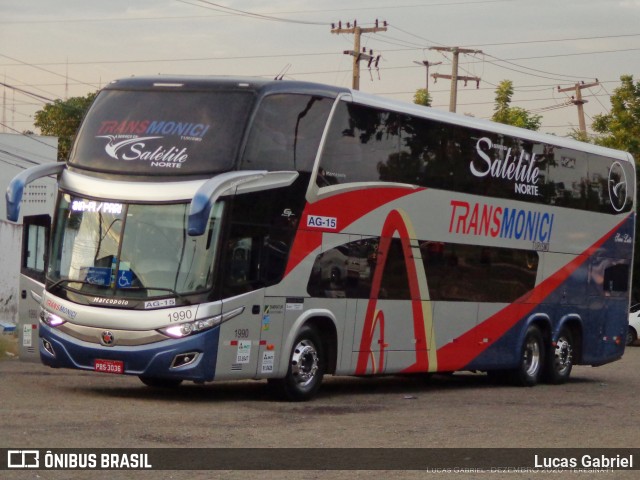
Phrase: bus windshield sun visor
x=16 y=187
x=248 y=180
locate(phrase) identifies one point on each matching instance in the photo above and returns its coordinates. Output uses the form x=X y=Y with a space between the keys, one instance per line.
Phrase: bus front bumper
x=189 y=358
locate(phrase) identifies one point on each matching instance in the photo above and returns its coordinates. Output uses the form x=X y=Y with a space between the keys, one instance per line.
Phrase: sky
x=56 y=50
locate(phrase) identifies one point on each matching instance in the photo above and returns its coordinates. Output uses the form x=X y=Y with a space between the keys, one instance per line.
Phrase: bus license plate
x=109 y=366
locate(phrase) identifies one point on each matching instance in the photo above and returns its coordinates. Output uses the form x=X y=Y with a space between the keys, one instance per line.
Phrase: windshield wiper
x=71 y=280
x=84 y=282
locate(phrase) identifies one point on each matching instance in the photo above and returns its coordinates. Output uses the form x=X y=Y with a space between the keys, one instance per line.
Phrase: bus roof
x=212 y=83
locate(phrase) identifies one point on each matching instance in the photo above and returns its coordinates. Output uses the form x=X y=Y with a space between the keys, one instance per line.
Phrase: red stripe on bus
x=455 y=356
x=347 y=208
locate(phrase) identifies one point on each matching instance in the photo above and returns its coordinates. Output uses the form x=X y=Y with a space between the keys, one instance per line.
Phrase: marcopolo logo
x=617 y=186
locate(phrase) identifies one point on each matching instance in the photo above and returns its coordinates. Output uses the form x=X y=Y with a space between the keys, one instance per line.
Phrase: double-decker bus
x=228 y=228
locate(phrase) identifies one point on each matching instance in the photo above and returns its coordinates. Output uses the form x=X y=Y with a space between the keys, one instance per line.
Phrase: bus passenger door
x=244 y=301
x=35 y=238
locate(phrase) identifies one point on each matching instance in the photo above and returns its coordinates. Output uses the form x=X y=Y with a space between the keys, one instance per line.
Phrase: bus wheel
x=560 y=359
x=531 y=359
x=160 y=382
x=306 y=367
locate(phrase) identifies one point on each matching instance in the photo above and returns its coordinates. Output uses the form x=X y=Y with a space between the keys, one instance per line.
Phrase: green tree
x=422 y=97
x=61 y=119
x=620 y=128
x=503 y=112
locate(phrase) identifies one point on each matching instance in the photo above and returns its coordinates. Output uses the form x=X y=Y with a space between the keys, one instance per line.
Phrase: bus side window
x=616 y=278
x=363 y=145
x=262 y=227
x=286 y=133
x=35 y=238
x=239 y=254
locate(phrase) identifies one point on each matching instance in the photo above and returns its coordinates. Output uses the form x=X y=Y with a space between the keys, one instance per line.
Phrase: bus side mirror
x=211 y=190
x=208 y=194
x=16 y=186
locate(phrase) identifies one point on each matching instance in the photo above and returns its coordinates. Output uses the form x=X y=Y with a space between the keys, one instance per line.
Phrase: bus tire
x=156 y=382
x=531 y=360
x=559 y=362
x=307 y=364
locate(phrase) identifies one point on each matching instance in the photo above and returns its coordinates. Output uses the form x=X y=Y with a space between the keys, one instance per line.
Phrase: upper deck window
x=286 y=132
x=162 y=132
x=367 y=144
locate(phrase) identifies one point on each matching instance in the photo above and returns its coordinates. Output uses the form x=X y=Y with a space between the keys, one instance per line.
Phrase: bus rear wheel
x=531 y=361
x=560 y=359
x=306 y=367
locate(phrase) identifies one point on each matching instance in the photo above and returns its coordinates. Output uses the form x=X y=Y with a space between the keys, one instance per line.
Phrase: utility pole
x=456 y=51
x=427 y=64
x=578 y=101
x=357 y=53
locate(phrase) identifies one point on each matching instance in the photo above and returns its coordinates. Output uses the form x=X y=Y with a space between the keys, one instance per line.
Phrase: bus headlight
x=51 y=319
x=197 y=326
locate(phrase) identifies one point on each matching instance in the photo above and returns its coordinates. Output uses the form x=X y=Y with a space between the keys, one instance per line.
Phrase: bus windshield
x=162 y=133
x=131 y=250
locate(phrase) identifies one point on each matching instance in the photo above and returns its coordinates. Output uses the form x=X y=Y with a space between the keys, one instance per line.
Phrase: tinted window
x=368 y=144
x=567 y=178
x=610 y=184
x=261 y=230
x=363 y=145
x=344 y=271
x=162 y=132
x=616 y=278
x=35 y=238
x=475 y=273
x=286 y=133
x=454 y=272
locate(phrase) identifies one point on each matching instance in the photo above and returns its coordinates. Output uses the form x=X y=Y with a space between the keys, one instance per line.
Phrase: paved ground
x=46 y=408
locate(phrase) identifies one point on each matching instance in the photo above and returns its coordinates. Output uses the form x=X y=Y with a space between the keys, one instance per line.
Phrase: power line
x=286 y=55
x=289 y=12
x=529 y=68
x=551 y=40
x=33 y=65
x=21 y=83
x=25 y=92
x=27 y=135
x=243 y=13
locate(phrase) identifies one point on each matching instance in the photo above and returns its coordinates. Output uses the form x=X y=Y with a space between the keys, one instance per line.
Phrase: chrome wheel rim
x=304 y=363
x=532 y=357
x=563 y=355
